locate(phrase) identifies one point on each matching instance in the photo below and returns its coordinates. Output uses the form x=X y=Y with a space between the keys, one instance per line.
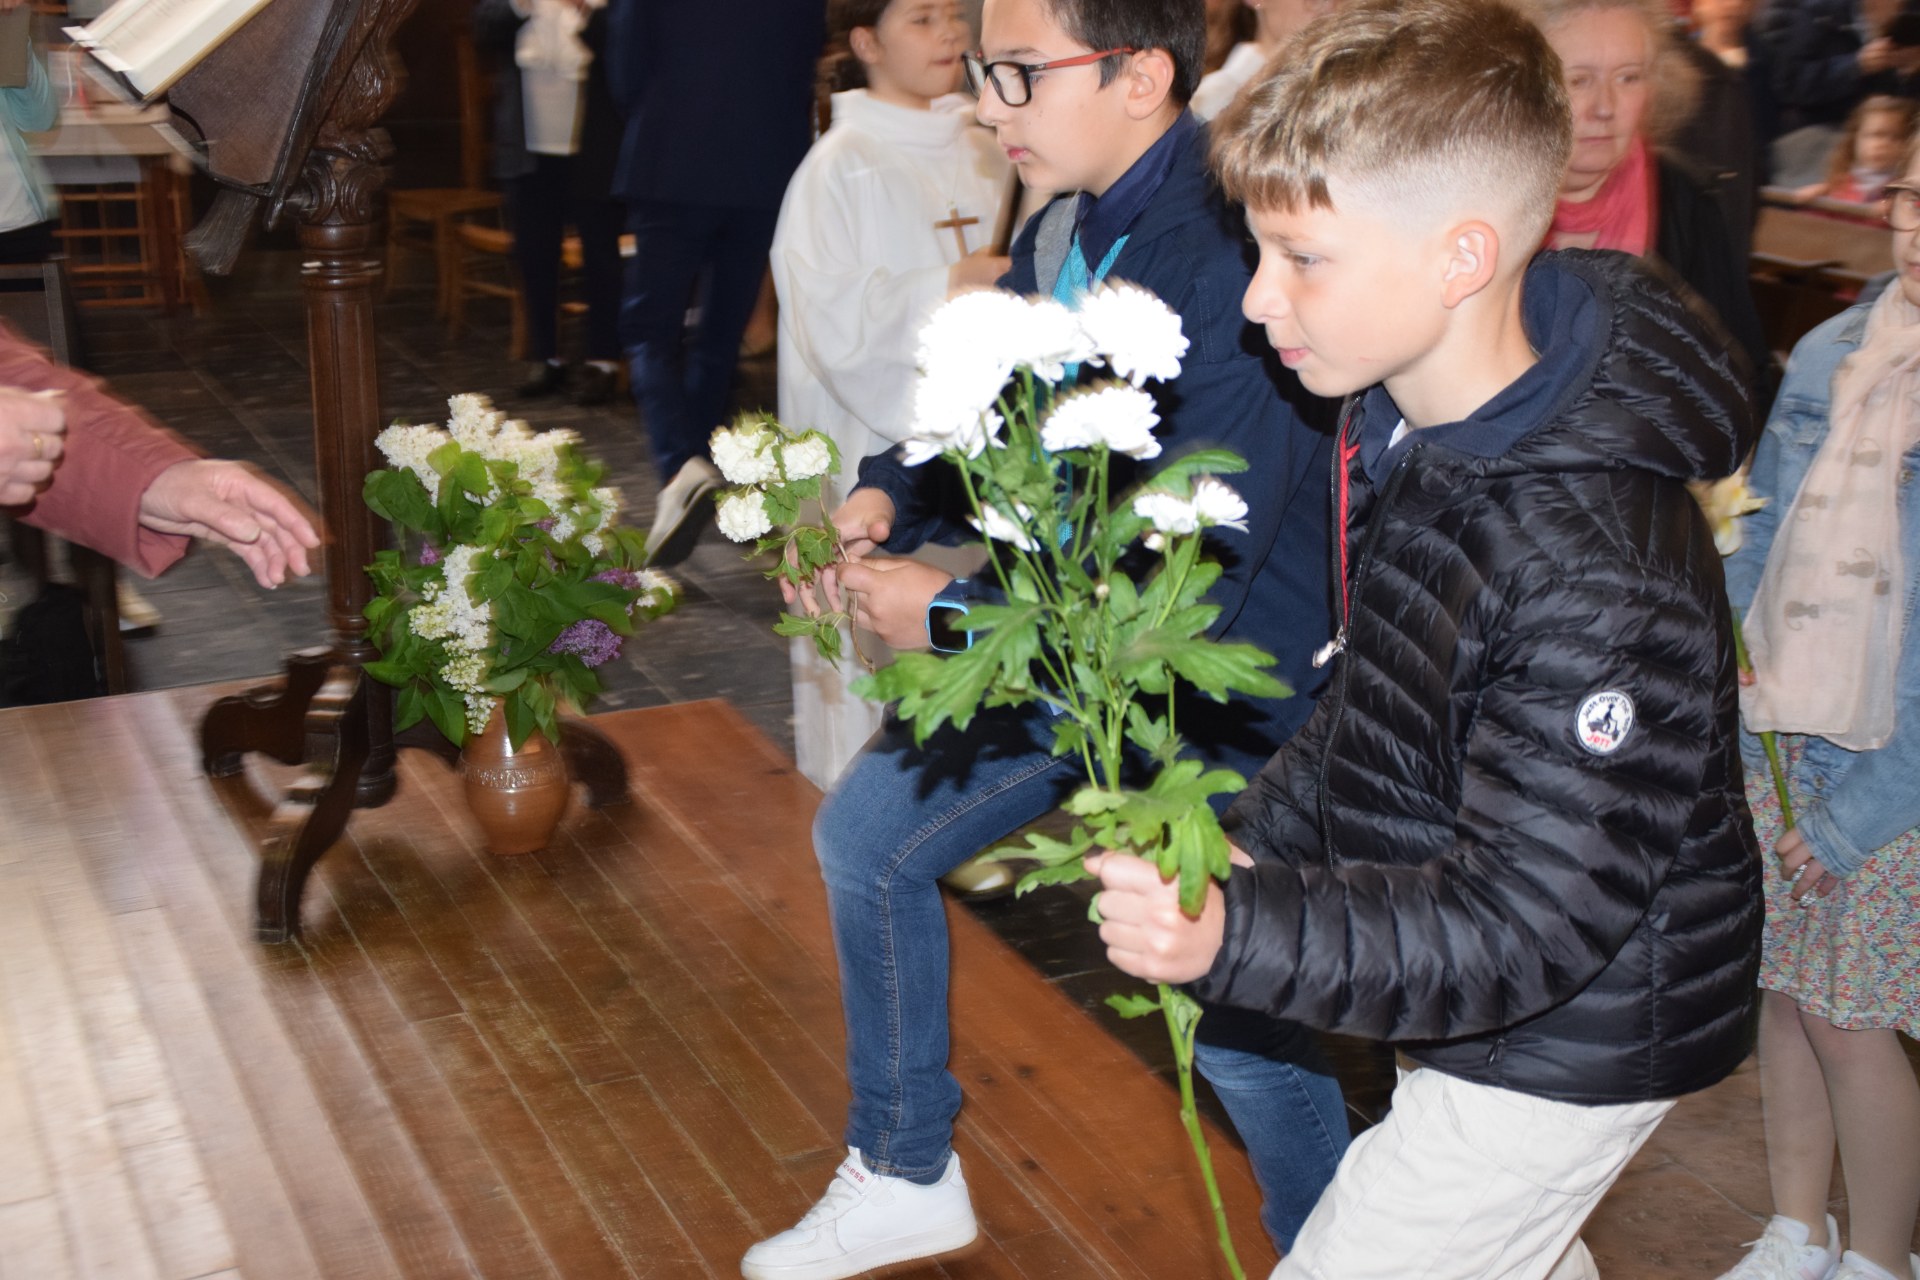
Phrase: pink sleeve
x=114 y=451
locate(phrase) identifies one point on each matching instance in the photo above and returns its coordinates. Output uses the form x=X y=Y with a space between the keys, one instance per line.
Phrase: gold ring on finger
x=39 y=447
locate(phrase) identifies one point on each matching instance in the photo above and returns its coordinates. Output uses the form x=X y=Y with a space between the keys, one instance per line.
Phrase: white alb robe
x=859 y=267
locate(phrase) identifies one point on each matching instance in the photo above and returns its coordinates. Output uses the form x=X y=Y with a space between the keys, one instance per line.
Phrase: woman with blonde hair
x=1630 y=87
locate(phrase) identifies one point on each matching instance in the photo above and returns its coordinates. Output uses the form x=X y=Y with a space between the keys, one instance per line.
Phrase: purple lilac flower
x=430 y=555
x=589 y=639
x=618 y=577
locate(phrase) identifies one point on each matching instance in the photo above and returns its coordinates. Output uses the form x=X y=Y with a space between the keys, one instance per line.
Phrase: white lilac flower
x=998 y=526
x=1134 y=333
x=479 y=710
x=742 y=515
x=745 y=454
x=1120 y=418
x=409 y=448
x=807 y=457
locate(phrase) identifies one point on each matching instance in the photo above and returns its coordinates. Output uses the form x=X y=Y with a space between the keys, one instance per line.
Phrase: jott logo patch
x=1603 y=722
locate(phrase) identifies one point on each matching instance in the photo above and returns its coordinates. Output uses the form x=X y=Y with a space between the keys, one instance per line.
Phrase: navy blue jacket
x=1192 y=250
x=718 y=98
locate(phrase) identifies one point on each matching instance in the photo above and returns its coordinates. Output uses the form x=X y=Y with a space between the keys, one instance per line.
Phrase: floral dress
x=1852 y=958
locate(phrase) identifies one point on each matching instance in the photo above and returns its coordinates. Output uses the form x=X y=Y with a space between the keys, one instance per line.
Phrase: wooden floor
x=618 y=1058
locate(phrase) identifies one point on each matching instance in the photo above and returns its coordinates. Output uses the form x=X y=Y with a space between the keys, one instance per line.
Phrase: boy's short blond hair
x=1427 y=101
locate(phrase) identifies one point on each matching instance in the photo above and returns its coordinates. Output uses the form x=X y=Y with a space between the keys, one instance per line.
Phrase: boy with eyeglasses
x=1088 y=97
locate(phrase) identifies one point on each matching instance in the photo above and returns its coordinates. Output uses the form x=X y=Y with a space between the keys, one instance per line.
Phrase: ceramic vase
x=517 y=796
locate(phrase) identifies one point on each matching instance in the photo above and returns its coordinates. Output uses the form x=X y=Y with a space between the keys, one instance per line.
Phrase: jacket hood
x=1630 y=377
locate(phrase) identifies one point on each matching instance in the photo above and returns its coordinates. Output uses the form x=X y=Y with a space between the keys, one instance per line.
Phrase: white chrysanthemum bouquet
x=774 y=472
x=513 y=581
x=1104 y=616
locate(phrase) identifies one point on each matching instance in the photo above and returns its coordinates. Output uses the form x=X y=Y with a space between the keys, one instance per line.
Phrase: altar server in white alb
x=891 y=212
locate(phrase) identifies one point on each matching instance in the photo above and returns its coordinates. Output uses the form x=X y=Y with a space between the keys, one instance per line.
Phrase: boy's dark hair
x=839 y=68
x=1178 y=26
x=1417 y=98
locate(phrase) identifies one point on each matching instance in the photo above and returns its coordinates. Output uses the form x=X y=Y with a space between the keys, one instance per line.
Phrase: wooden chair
x=473 y=245
x=423 y=219
x=1809 y=261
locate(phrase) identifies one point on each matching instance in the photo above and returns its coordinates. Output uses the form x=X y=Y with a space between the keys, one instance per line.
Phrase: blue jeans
x=683 y=253
x=900 y=818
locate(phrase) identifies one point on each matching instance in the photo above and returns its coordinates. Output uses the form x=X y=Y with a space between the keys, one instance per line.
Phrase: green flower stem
x=1190 y=1116
x=1769 y=740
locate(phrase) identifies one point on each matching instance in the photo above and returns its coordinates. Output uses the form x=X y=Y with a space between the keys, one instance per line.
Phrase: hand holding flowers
x=1104 y=619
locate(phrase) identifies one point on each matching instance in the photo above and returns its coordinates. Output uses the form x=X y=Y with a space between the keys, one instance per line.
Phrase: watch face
x=945 y=621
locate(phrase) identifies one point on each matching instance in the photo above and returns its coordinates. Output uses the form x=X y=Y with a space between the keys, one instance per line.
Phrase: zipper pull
x=1325 y=653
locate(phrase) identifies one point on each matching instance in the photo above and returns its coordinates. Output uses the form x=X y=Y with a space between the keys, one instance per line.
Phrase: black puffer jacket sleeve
x=1557 y=853
x=1275 y=817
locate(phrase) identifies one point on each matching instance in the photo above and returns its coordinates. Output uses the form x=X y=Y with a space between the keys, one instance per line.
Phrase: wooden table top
x=621 y=1057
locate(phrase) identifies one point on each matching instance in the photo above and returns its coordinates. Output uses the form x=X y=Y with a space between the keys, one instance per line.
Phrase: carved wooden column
x=329 y=715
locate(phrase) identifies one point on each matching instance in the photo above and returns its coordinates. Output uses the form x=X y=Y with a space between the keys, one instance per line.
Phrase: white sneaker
x=1783 y=1253
x=1855 y=1267
x=681 y=513
x=867 y=1220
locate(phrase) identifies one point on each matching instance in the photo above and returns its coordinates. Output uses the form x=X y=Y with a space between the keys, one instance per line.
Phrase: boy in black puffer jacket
x=1512 y=837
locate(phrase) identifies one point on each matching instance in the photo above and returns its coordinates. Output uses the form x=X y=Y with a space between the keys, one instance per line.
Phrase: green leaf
x=1214 y=668
x=449 y=713
x=389 y=672
x=792 y=624
x=399 y=496
x=1148 y=732
x=1135 y=1006
x=520 y=717
x=410 y=708
x=506 y=681
x=1179 y=475
x=1040 y=877
x=1048 y=851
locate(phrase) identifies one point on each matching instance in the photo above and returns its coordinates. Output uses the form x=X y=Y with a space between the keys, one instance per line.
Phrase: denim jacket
x=1853 y=802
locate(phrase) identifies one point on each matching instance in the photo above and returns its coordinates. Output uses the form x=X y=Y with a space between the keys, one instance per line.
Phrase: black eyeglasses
x=1013 y=81
x=1900 y=206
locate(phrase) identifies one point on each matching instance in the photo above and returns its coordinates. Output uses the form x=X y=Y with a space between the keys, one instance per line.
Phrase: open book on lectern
x=152 y=43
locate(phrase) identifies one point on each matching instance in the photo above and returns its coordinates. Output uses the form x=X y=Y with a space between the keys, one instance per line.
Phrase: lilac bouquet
x=521 y=582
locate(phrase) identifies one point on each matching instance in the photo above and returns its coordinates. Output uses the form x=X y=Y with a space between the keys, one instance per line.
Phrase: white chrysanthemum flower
x=1212 y=504
x=998 y=526
x=745 y=454
x=915 y=452
x=742 y=515
x=1167 y=513
x=807 y=457
x=1217 y=504
x=1121 y=418
x=1048 y=338
x=1133 y=333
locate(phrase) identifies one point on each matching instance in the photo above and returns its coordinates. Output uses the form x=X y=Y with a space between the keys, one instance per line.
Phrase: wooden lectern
x=285 y=113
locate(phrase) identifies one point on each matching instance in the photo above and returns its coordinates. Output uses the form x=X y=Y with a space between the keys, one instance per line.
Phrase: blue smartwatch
x=946 y=619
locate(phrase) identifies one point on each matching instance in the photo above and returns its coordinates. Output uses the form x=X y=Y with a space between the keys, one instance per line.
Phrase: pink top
x=114 y=451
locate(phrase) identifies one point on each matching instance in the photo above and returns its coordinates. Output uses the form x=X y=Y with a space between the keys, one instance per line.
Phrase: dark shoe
x=681 y=515
x=593 y=385
x=543 y=379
